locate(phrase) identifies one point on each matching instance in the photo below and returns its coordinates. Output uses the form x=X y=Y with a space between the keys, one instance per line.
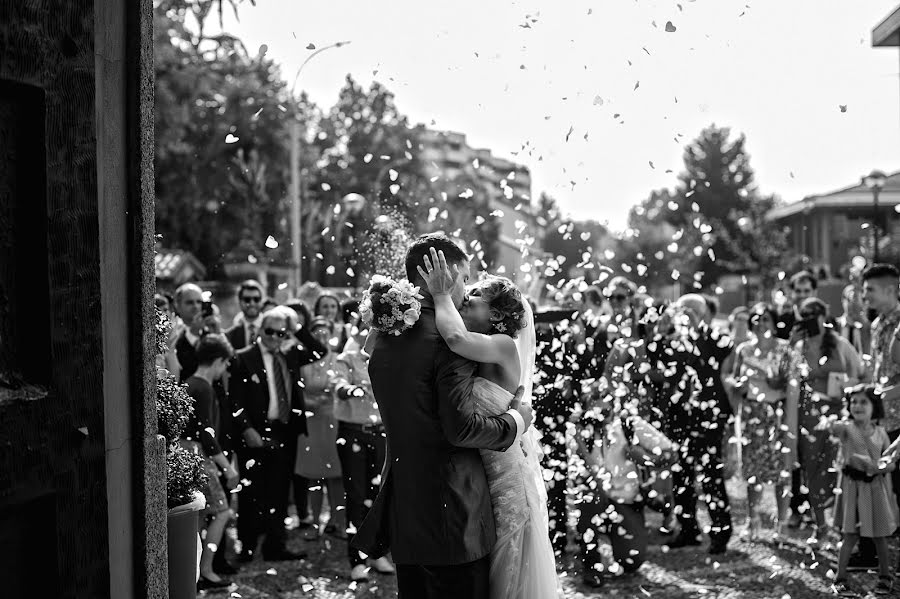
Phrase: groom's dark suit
x=433 y=510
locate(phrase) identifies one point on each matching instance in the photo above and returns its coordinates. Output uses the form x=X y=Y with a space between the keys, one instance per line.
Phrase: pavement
x=789 y=568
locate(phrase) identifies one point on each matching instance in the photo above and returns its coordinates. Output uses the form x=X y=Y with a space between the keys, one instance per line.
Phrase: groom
x=433 y=510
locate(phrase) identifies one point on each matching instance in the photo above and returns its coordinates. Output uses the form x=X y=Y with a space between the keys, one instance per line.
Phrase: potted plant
x=185 y=476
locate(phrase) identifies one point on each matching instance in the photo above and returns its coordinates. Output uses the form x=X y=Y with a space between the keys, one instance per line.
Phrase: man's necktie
x=281 y=378
x=251 y=333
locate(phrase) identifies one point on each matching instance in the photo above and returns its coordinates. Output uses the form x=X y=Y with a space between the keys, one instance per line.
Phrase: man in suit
x=249 y=321
x=433 y=510
x=189 y=306
x=269 y=414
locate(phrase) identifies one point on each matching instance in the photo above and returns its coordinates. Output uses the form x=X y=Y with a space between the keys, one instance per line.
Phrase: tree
x=711 y=224
x=221 y=168
x=578 y=247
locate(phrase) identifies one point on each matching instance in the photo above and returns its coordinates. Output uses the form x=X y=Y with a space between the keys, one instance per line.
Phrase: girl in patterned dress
x=865 y=505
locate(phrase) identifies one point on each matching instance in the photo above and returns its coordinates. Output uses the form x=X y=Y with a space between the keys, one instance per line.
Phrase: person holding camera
x=826 y=364
x=199 y=317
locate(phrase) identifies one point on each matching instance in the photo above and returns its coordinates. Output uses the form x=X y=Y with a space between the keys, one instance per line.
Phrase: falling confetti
x=230 y=139
x=670 y=28
x=271 y=243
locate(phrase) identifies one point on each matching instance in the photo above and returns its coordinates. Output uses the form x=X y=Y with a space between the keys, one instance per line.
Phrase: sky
x=517 y=77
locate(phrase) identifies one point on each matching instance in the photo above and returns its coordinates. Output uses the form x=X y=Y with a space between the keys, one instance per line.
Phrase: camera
x=206 y=309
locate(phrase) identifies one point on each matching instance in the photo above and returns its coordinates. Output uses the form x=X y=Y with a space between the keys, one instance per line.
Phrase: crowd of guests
x=284 y=416
x=642 y=404
x=648 y=404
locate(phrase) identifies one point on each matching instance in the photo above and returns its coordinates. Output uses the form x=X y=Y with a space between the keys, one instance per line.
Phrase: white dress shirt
x=271 y=373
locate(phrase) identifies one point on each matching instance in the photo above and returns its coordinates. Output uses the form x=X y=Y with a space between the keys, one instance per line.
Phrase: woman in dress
x=826 y=363
x=494 y=314
x=758 y=384
x=328 y=306
x=317 y=457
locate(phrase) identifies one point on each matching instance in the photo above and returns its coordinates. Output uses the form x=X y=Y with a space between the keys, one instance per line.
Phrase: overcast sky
x=776 y=70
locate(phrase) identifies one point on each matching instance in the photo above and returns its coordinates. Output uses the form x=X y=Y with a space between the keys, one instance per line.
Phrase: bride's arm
x=488 y=349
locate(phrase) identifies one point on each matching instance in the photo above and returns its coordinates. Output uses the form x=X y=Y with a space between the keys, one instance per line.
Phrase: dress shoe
x=359 y=573
x=684 y=540
x=383 y=566
x=283 y=555
x=205 y=584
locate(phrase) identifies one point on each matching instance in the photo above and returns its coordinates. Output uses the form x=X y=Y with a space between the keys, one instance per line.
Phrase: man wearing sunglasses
x=248 y=322
x=269 y=413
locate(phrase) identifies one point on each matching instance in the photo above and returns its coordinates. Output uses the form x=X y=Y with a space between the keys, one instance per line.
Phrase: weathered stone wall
x=53 y=499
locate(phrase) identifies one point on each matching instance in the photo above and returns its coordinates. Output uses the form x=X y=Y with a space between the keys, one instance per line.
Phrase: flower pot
x=184 y=548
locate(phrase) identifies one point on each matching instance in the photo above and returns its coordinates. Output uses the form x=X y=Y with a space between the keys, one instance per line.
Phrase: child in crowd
x=865 y=506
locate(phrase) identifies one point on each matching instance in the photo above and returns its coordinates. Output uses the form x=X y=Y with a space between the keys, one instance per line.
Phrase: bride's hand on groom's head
x=439 y=277
x=524 y=410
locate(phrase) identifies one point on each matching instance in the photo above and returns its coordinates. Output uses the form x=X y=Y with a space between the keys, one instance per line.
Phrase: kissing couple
x=462 y=505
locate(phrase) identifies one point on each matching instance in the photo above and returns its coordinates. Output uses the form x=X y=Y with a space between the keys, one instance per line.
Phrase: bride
x=496 y=329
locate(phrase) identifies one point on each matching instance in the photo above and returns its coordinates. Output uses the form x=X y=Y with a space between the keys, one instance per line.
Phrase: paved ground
x=789 y=569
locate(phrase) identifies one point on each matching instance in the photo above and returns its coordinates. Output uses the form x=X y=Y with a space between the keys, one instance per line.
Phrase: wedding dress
x=522 y=561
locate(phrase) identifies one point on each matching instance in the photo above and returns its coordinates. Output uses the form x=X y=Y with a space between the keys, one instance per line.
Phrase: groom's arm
x=456 y=408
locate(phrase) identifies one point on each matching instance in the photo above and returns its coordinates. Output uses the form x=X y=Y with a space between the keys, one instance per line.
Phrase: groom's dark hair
x=421 y=247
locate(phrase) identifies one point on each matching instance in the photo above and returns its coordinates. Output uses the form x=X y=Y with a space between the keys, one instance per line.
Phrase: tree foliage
x=711 y=224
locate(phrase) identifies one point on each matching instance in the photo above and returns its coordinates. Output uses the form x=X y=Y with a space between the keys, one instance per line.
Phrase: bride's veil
x=526 y=344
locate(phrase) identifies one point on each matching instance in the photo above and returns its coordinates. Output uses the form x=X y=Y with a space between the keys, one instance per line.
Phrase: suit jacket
x=187 y=356
x=237 y=336
x=434 y=506
x=249 y=387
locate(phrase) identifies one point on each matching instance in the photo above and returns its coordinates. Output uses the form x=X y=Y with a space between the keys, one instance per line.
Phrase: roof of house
x=857 y=195
x=172 y=264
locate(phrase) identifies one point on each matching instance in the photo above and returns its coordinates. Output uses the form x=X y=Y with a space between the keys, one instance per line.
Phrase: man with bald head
x=697 y=414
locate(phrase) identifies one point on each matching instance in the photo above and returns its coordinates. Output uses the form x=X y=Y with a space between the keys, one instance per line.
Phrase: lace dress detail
x=522 y=562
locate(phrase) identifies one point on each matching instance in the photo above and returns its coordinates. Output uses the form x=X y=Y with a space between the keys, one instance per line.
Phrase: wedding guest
x=826 y=364
x=360 y=445
x=700 y=358
x=865 y=506
x=299 y=485
x=247 y=322
x=738 y=325
x=270 y=413
x=200 y=317
x=317 y=458
x=880 y=286
x=350 y=317
x=328 y=306
x=768 y=426
x=213 y=353
x=803 y=285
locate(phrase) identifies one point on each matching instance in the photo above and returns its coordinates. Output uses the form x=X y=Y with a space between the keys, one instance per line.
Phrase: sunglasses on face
x=253 y=299
x=281 y=334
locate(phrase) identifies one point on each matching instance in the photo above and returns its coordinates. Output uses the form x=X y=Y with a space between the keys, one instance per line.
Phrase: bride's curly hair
x=505 y=300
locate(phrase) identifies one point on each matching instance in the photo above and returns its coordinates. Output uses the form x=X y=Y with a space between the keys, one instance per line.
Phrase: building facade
x=832 y=228
x=506 y=185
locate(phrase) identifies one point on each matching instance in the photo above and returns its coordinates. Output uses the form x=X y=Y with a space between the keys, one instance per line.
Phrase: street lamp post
x=294 y=191
x=875 y=181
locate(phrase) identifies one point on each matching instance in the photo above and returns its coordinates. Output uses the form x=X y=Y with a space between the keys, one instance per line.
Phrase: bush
x=173 y=408
x=185 y=475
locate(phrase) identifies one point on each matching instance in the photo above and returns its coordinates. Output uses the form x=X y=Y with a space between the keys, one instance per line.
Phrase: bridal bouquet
x=390 y=306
